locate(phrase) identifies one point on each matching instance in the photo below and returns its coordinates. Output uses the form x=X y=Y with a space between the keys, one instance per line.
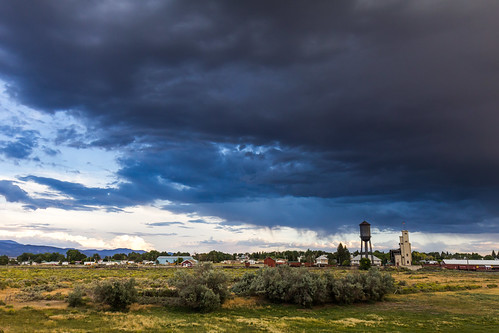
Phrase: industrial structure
x=403 y=255
x=365 y=238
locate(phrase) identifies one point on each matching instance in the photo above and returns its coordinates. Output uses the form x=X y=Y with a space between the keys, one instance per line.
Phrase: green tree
x=96 y=257
x=26 y=256
x=75 y=255
x=342 y=254
x=151 y=255
x=134 y=256
x=179 y=260
x=365 y=264
x=119 y=256
x=331 y=258
x=4 y=260
x=55 y=256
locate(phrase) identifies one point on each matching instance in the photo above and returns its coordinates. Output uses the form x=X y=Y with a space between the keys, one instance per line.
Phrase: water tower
x=365 y=237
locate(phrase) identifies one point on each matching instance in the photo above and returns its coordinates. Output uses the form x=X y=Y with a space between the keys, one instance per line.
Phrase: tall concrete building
x=405 y=249
x=403 y=255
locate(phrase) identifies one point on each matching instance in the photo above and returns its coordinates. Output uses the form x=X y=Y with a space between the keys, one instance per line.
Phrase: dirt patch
x=247 y=302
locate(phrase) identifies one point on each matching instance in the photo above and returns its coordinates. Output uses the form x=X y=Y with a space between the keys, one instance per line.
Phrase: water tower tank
x=365 y=231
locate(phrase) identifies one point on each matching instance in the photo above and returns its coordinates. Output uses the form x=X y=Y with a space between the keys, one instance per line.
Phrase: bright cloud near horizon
x=249 y=126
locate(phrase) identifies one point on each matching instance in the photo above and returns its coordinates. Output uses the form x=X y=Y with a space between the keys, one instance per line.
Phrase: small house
x=269 y=262
x=281 y=262
x=355 y=261
x=321 y=261
x=189 y=263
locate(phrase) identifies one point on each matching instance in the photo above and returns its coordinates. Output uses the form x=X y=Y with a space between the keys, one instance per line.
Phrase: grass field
x=34 y=301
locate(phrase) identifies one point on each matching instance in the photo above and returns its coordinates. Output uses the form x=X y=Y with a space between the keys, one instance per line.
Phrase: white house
x=321 y=260
x=355 y=261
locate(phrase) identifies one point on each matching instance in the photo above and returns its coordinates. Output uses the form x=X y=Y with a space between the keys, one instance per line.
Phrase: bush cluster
x=300 y=286
x=118 y=294
x=205 y=289
x=75 y=298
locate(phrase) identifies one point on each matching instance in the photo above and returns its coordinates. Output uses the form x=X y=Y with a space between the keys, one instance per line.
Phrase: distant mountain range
x=14 y=249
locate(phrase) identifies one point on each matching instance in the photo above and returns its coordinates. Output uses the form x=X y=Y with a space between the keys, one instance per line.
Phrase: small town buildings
x=322 y=261
x=168 y=260
x=243 y=257
x=355 y=261
x=111 y=263
x=269 y=262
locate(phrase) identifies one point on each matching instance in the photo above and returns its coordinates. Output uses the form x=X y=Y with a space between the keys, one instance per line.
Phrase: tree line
x=341 y=257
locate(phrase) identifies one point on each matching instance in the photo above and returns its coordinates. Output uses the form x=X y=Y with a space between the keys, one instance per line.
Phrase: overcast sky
x=249 y=125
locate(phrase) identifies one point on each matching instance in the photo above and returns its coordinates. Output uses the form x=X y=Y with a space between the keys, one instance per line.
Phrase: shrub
x=30 y=296
x=346 y=290
x=357 y=287
x=118 y=294
x=377 y=285
x=243 y=286
x=364 y=264
x=305 y=288
x=203 y=290
x=75 y=298
x=300 y=286
x=283 y=285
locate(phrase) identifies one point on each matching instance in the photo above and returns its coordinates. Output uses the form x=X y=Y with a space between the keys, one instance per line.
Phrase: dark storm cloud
x=385 y=108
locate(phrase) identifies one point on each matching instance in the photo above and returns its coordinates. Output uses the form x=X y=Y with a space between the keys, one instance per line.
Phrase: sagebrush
x=118 y=294
x=205 y=289
x=300 y=286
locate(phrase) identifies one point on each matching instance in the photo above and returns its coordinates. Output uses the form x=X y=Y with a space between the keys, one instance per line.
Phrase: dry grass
x=242 y=302
x=424 y=312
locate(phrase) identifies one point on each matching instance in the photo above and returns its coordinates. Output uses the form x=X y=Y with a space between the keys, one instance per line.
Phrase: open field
x=34 y=300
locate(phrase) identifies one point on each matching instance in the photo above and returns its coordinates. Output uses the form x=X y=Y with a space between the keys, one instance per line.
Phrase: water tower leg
x=371 y=249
